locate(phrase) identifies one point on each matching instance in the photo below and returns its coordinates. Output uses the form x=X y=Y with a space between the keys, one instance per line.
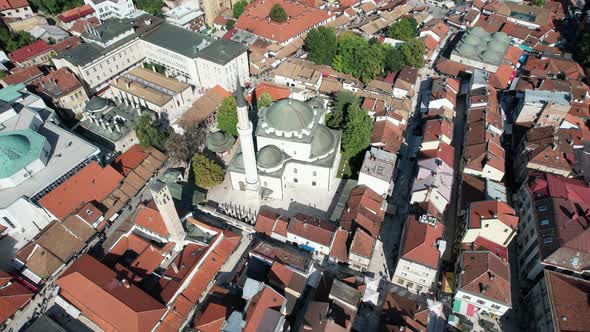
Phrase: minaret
x=165 y=204
x=246 y=140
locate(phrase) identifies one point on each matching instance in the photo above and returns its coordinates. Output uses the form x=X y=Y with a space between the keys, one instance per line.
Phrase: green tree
x=344 y=99
x=322 y=44
x=182 y=147
x=413 y=52
x=278 y=13
x=582 y=48
x=227 y=116
x=404 y=29
x=149 y=134
x=152 y=7
x=207 y=172
x=230 y=24
x=263 y=100
x=538 y=3
x=394 y=59
x=10 y=41
x=54 y=7
x=358 y=57
x=239 y=8
x=357 y=131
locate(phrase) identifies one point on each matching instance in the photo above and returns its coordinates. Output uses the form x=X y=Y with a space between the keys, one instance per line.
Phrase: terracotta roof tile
x=313 y=229
x=568 y=298
x=110 y=303
x=13 y=4
x=301 y=18
x=364 y=209
x=338 y=250
x=266 y=299
x=92 y=183
x=501 y=78
x=75 y=13
x=362 y=244
x=30 y=51
x=486 y=275
x=13 y=296
x=420 y=242
x=24 y=75
x=387 y=135
x=58 y=83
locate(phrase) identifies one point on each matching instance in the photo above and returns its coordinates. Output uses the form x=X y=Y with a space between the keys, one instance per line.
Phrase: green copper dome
x=269 y=157
x=219 y=142
x=289 y=115
x=96 y=104
x=323 y=142
x=18 y=149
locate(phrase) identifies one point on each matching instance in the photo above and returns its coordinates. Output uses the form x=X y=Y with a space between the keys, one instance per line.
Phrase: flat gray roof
x=177 y=39
x=222 y=51
x=542 y=96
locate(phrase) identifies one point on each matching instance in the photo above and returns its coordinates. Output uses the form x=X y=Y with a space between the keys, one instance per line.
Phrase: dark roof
x=177 y=39
x=568 y=298
x=222 y=51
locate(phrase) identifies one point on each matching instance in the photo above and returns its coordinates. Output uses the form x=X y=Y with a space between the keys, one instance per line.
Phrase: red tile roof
x=492 y=209
x=435 y=129
x=545 y=67
x=449 y=67
x=58 y=83
x=362 y=244
x=275 y=91
x=486 y=275
x=13 y=296
x=134 y=157
x=444 y=152
x=266 y=299
x=364 y=209
x=284 y=278
x=502 y=77
x=23 y=75
x=388 y=135
x=13 y=4
x=339 y=250
x=80 y=24
x=92 y=183
x=110 y=303
x=301 y=18
x=313 y=229
x=265 y=222
x=151 y=219
x=75 y=13
x=66 y=44
x=568 y=298
x=420 y=242
x=30 y=51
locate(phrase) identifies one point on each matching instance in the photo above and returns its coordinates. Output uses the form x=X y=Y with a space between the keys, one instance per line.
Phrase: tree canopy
x=278 y=13
x=538 y=3
x=413 y=52
x=10 y=41
x=582 y=48
x=207 y=172
x=264 y=100
x=152 y=7
x=55 y=7
x=239 y=8
x=404 y=29
x=150 y=134
x=357 y=131
x=394 y=59
x=182 y=147
x=321 y=43
x=358 y=57
x=339 y=115
x=227 y=116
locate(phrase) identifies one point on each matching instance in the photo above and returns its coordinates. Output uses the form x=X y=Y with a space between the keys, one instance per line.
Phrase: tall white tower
x=165 y=204
x=246 y=140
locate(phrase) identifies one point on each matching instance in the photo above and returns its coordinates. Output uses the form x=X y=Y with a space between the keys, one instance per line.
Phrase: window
x=315 y=173
x=467 y=297
x=542 y=208
x=547 y=239
x=544 y=222
x=295 y=180
x=313 y=183
x=410 y=285
x=8 y=222
x=482 y=302
x=495 y=306
x=294 y=170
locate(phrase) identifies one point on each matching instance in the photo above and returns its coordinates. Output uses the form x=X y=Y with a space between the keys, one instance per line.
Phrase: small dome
x=496 y=46
x=490 y=56
x=466 y=49
x=477 y=31
x=96 y=104
x=219 y=142
x=471 y=40
x=238 y=161
x=322 y=142
x=269 y=157
x=289 y=115
x=500 y=36
x=13 y=147
x=316 y=103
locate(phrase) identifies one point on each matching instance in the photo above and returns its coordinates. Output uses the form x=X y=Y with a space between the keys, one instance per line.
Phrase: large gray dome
x=96 y=104
x=289 y=115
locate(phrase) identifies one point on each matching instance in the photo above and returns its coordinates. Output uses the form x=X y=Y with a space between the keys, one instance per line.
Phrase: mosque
x=290 y=149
